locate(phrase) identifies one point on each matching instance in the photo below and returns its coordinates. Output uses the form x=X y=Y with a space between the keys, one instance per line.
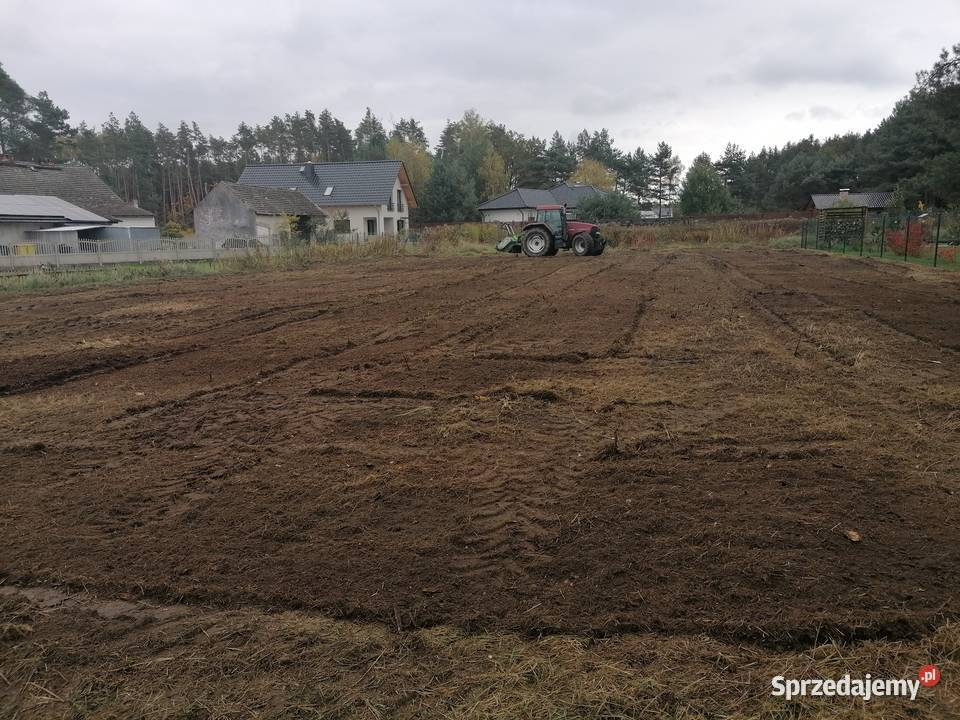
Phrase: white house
x=361 y=199
x=520 y=204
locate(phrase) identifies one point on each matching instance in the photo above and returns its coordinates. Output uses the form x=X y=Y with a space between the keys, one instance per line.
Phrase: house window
x=401 y=225
x=341 y=225
x=400 y=200
x=371 y=226
x=390 y=205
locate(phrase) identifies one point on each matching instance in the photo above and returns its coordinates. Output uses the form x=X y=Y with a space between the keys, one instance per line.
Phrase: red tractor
x=552 y=232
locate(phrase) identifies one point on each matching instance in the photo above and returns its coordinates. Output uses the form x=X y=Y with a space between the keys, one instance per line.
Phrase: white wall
x=273 y=225
x=495 y=216
x=136 y=222
x=358 y=215
x=13 y=233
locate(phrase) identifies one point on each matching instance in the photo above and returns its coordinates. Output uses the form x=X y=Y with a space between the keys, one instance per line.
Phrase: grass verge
x=291 y=258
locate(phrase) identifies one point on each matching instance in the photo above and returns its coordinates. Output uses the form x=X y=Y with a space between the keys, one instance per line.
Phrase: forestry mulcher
x=552 y=232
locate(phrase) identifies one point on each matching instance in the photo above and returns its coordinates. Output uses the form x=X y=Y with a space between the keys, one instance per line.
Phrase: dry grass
x=444 y=241
x=698 y=233
x=74 y=662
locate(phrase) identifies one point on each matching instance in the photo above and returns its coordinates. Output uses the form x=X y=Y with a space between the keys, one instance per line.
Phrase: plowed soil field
x=755 y=448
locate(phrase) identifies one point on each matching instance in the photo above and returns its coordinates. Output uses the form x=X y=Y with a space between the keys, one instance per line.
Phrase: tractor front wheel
x=583 y=245
x=537 y=243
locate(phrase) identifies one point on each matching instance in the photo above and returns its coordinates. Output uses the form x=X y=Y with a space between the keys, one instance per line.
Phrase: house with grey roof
x=361 y=199
x=872 y=201
x=231 y=211
x=27 y=221
x=75 y=184
x=520 y=204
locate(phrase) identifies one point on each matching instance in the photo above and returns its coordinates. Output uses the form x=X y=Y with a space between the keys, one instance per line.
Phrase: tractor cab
x=554 y=217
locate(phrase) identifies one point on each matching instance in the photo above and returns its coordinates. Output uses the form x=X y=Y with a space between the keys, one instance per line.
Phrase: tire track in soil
x=867 y=314
x=116 y=363
x=775 y=318
x=372 y=339
x=516 y=496
x=512 y=501
x=622 y=345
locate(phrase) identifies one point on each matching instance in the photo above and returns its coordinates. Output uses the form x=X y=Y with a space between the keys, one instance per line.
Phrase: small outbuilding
x=234 y=212
x=27 y=222
x=874 y=202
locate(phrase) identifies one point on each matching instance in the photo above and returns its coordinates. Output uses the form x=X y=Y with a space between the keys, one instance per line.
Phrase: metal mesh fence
x=929 y=238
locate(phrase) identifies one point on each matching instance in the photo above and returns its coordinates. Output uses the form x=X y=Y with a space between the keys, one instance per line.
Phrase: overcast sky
x=696 y=73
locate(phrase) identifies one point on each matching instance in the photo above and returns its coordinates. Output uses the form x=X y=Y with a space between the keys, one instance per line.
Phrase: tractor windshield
x=553 y=220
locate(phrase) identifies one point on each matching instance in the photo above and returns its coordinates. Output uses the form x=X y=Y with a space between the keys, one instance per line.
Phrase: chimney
x=844 y=194
x=308 y=172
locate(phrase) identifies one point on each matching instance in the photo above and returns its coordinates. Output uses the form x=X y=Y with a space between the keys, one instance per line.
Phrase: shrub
x=948 y=254
x=897 y=240
x=174 y=230
x=608 y=207
x=720 y=231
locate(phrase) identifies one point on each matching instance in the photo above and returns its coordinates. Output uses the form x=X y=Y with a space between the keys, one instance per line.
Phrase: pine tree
x=370 y=139
x=666 y=171
x=13 y=113
x=410 y=131
x=449 y=196
x=704 y=191
x=46 y=124
x=732 y=167
x=639 y=175
x=560 y=159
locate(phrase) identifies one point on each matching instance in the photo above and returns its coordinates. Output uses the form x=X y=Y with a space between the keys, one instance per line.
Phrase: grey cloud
x=822 y=112
x=697 y=74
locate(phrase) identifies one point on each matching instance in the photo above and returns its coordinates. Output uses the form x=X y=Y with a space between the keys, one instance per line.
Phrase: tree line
x=915 y=151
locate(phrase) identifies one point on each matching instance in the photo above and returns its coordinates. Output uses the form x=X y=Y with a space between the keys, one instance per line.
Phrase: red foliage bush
x=947 y=254
x=914 y=244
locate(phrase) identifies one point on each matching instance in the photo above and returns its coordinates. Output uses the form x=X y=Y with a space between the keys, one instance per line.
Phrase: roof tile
x=76 y=184
x=353 y=183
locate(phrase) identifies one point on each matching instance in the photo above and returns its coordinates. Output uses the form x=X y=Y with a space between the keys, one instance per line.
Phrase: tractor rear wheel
x=537 y=243
x=583 y=245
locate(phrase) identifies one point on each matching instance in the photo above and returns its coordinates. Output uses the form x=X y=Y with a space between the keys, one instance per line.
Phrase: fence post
x=99 y=255
x=863 y=235
x=936 y=242
x=883 y=232
x=803 y=235
x=906 y=239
